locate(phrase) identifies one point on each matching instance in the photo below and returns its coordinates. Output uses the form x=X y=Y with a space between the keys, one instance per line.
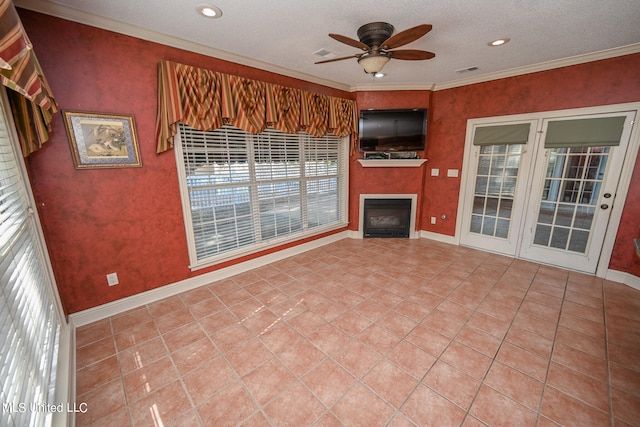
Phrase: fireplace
x=386 y=218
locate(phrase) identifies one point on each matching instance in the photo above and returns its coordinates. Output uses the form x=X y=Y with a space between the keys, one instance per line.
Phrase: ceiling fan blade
x=406 y=36
x=357 y=55
x=349 y=41
x=411 y=54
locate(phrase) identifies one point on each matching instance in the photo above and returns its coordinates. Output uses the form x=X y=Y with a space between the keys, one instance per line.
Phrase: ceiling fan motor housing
x=375 y=33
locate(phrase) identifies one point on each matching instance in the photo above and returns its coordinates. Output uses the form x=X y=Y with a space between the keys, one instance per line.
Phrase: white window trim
x=64 y=366
x=195 y=264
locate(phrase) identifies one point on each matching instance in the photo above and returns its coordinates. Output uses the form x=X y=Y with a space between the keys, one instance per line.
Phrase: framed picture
x=102 y=140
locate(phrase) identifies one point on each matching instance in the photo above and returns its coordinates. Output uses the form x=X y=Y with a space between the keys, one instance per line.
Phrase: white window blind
x=242 y=192
x=29 y=321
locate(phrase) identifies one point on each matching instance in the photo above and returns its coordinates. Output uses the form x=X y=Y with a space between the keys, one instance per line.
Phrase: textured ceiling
x=282 y=35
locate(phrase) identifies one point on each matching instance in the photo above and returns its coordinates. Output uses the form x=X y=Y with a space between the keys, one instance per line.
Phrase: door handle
x=606 y=195
x=604 y=206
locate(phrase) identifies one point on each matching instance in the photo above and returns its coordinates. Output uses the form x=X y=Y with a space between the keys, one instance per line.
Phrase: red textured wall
x=386 y=180
x=130 y=220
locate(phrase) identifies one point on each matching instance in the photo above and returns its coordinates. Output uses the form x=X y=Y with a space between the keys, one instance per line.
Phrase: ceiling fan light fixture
x=373 y=63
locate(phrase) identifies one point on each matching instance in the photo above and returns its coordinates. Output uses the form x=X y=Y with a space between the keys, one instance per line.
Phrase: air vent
x=325 y=54
x=466 y=70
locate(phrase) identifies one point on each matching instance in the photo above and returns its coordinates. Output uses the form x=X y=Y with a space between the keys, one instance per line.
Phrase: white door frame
x=510 y=245
x=623 y=184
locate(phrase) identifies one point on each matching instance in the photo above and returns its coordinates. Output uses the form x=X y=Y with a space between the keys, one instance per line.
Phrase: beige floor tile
x=445 y=335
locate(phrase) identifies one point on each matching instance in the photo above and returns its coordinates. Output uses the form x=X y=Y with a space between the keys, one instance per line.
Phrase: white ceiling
x=282 y=35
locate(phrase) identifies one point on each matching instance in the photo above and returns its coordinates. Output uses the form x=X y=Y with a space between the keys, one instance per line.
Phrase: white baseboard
x=442 y=238
x=624 y=278
x=354 y=234
x=104 y=311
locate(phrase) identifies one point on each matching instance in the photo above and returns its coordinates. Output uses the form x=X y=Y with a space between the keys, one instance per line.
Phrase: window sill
x=267 y=246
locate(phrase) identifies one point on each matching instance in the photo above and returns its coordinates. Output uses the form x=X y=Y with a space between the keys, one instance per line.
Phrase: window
x=31 y=323
x=244 y=192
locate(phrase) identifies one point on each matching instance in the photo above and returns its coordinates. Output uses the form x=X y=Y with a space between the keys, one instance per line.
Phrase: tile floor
x=372 y=332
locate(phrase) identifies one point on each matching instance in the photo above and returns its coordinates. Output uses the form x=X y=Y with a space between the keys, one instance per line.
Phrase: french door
x=495 y=203
x=551 y=203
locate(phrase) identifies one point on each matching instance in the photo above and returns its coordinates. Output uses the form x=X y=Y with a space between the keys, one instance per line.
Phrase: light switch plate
x=435 y=171
x=452 y=173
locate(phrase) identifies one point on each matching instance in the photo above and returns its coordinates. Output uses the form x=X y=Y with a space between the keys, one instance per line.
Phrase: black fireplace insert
x=386 y=218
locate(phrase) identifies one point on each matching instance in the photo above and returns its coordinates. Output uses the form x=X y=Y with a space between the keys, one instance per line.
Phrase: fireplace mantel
x=391 y=163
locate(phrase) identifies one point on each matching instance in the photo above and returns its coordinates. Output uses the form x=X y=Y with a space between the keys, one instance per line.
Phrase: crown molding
x=64 y=12
x=544 y=66
x=388 y=87
x=70 y=14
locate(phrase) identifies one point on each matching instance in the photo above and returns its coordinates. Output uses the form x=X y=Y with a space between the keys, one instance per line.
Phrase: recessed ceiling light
x=499 y=42
x=379 y=75
x=209 y=11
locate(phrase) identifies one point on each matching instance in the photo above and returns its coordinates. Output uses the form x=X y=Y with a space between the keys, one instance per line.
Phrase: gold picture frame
x=100 y=140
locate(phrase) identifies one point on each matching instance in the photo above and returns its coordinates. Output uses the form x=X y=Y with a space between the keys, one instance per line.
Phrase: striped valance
x=32 y=103
x=206 y=100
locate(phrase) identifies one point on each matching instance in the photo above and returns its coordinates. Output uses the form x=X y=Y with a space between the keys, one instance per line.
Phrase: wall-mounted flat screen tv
x=393 y=130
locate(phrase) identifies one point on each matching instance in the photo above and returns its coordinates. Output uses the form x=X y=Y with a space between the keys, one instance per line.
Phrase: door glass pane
x=483 y=165
x=542 y=235
x=492 y=206
x=574 y=179
x=515 y=149
x=489 y=226
x=578 y=241
x=555 y=167
x=502 y=228
x=500 y=149
x=481 y=185
x=478 y=205
x=551 y=191
x=547 y=212
x=559 y=238
x=564 y=215
x=476 y=224
x=509 y=187
x=495 y=187
x=584 y=217
x=495 y=184
x=506 y=207
x=497 y=165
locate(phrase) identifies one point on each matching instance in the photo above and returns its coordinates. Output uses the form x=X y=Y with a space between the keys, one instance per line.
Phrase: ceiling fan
x=376 y=41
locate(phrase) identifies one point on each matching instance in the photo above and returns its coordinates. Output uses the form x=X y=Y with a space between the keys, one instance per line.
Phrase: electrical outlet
x=112 y=279
x=452 y=173
x=433 y=220
x=435 y=172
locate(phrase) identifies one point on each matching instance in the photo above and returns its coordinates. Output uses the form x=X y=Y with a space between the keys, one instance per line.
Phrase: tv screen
x=393 y=130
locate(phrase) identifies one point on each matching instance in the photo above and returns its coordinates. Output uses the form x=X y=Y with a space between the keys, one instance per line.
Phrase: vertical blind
x=29 y=321
x=242 y=191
